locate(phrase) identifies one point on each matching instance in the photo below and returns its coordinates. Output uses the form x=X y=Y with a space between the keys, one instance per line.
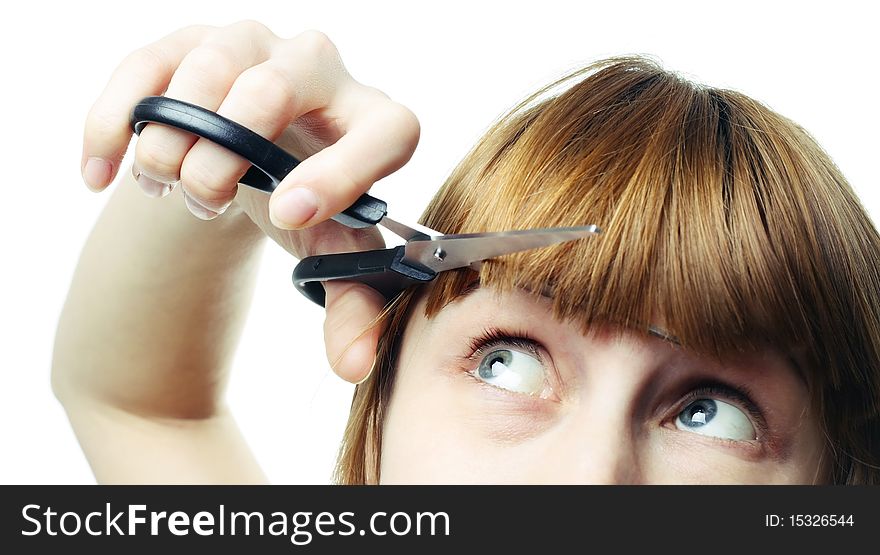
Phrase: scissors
x=389 y=271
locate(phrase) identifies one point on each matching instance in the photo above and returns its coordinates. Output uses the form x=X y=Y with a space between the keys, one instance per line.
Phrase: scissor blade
x=413 y=232
x=457 y=251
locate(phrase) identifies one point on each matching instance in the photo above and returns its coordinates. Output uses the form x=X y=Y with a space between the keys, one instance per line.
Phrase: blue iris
x=699 y=413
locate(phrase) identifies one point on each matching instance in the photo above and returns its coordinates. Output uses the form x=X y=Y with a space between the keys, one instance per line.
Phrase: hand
x=295 y=92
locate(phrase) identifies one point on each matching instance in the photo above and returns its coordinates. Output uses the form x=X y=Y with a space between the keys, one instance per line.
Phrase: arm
x=145 y=339
x=159 y=297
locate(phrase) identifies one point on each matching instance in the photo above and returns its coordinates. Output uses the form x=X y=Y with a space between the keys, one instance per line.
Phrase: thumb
x=350 y=332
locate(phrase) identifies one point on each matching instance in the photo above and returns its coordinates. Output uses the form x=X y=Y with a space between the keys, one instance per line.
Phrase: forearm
x=156 y=307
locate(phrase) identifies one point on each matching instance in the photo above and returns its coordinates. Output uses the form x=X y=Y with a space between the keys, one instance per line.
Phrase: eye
x=513 y=370
x=712 y=417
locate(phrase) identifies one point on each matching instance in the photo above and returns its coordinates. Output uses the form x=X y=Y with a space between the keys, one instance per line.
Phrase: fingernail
x=152 y=187
x=197 y=209
x=295 y=207
x=211 y=205
x=97 y=173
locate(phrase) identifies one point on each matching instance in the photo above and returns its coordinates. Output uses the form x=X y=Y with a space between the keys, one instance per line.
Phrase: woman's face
x=495 y=390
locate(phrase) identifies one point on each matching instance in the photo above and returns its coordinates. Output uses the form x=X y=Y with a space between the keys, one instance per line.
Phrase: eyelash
x=492 y=337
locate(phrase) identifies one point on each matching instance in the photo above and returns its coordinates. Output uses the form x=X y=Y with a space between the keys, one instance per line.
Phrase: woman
x=725 y=328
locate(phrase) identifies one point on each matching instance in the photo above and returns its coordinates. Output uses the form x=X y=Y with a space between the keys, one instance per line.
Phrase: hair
x=720 y=215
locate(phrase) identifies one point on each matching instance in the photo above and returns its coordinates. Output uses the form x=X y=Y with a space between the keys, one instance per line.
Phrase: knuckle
x=315 y=44
x=204 y=181
x=196 y=29
x=156 y=158
x=267 y=78
x=275 y=92
x=147 y=59
x=209 y=64
x=251 y=27
x=374 y=92
x=405 y=121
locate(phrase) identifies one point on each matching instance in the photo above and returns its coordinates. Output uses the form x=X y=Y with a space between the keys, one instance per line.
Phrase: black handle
x=270 y=163
x=381 y=269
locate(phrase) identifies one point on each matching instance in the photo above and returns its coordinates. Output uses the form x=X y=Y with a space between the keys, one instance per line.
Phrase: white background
x=457 y=65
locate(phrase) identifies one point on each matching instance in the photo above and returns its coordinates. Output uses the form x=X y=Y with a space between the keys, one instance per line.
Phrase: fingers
x=204 y=77
x=145 y=72
x=349 y=334
x=265 y=98
x=295 y=92
x=380 y=137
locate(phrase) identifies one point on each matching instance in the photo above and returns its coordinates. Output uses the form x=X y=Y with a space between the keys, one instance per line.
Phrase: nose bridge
x=596 y=443
x=602 y=451
x=600 y=441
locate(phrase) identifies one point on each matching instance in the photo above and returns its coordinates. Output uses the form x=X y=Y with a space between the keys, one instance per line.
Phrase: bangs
x=711 y=215
x=724 y=224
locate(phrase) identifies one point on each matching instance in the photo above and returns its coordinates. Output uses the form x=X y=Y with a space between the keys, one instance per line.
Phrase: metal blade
x=415 y=232
x=457 y=251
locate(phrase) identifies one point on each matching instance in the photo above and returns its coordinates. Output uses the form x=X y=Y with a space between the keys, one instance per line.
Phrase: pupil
x=487 y=369
x=700 y=413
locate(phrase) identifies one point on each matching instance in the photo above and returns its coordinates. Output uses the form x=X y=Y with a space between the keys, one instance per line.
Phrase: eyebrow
x=652 y=330
x=662 y=334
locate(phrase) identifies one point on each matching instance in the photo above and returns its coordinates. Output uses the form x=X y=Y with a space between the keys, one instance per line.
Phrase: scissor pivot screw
x=439 y=254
